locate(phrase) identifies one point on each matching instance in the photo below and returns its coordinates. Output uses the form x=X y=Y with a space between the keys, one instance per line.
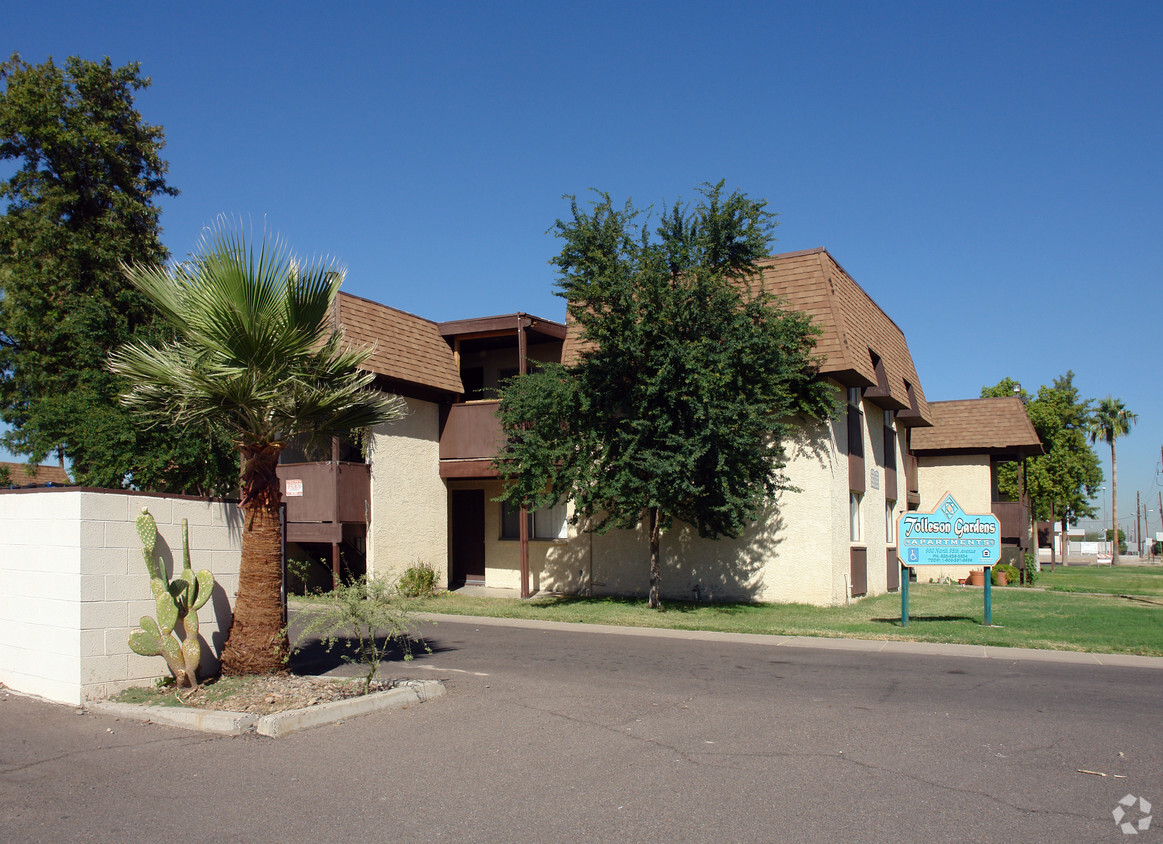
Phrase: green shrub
x=418 y=581
x=1030 y=573
x=367 y=618
x=1013 y=575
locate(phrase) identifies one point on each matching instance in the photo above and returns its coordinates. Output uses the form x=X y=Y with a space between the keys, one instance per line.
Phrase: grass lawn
x=937 y=613
x=1112 y=580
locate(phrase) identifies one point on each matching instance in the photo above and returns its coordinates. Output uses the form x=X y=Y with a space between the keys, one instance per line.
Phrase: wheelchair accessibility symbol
x=914 y=555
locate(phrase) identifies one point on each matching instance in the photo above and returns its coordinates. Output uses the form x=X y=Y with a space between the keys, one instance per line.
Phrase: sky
x=990 y=173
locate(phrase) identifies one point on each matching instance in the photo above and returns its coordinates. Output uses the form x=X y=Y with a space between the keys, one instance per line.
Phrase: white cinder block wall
x=73 y=584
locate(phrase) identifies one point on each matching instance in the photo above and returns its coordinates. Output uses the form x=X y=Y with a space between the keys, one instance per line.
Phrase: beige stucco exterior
x=800 y=553
x=409 y=501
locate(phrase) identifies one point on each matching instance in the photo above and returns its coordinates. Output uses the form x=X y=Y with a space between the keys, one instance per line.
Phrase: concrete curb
x=284 y=723
x=207 y=720
x=280 y=723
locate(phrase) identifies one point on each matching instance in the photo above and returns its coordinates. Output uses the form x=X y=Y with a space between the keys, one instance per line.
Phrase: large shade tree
x=1112 y=420
x=1061 y=482
x=685 y=391
x=258 y=358
x=84 y=174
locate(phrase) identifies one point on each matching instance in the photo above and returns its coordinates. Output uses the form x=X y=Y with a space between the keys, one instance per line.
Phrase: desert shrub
x=418 y=581
x=367 y=618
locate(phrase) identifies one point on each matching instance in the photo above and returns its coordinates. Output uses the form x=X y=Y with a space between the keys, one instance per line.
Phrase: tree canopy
x=686 y=384
x=257 y=358
x=1063 y=480
x=82 y=200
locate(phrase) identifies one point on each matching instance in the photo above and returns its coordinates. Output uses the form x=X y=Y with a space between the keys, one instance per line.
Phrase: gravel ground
x=281 y=692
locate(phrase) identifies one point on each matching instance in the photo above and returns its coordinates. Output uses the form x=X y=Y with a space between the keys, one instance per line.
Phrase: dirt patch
x=263 y=695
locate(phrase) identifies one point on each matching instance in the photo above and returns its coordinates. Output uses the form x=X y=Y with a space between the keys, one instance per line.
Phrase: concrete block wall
x=73 y=585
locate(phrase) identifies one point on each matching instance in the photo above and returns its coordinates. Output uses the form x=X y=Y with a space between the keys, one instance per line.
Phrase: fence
x=73 y=585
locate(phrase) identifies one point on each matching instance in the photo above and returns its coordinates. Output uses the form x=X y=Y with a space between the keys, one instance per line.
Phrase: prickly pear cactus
x=177 y=601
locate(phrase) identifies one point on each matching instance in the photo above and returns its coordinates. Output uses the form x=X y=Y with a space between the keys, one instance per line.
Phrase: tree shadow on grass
x=924 y=618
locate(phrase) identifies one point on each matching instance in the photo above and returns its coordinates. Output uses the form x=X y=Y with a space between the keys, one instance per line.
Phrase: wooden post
x=523 y=531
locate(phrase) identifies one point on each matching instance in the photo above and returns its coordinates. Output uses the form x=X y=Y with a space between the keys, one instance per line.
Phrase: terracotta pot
x=1002 y=580
x=977 y=577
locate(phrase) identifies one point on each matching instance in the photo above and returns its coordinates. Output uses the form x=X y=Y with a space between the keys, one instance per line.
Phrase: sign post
x=947 y=537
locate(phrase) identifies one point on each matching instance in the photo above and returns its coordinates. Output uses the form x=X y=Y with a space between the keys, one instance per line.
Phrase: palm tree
x=256 y=355
x=1112 y=420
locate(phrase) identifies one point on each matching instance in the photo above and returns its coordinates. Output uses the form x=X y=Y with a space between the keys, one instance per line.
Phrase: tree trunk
x=655 y=561
x=1114 y=506
x=257 y=643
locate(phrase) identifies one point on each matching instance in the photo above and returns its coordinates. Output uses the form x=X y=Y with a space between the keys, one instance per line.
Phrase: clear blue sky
x=989 y=172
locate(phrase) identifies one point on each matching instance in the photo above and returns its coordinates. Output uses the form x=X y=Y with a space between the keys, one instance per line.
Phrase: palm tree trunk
x=1114 y=505
x=655 y=561
x=257 y=643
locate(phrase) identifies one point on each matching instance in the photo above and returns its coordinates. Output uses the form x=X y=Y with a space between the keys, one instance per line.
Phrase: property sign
x=948 y=537
x=294 y=487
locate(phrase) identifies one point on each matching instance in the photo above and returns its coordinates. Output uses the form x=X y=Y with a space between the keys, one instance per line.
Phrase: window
x=546 y=523
x=854 y=499
x=889 y=522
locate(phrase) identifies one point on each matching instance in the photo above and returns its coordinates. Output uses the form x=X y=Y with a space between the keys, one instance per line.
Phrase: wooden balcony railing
x=470 y=438
x=1013 y=517
x=322 y=497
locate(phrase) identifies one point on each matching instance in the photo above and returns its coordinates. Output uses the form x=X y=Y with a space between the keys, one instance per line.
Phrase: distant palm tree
x=1112 y=420
x=256 y=355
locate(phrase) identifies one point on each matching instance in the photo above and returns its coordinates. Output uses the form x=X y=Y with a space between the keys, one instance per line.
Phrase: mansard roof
x=997 y=426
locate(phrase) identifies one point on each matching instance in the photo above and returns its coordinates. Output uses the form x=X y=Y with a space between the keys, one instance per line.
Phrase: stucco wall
x=73 y=585
x=409 y=500
x=967 y=478
x=799 y=553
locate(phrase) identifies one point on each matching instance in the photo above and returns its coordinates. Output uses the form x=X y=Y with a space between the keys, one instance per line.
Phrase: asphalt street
x=552 y=734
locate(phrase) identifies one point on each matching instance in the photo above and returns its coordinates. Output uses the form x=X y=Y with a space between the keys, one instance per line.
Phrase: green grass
x=1111 y=580
x=937 y=613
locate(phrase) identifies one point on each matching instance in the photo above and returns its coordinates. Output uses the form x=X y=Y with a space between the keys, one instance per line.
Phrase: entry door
x=468 y=536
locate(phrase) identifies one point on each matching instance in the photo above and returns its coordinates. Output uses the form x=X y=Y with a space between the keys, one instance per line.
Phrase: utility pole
x=1138 y=534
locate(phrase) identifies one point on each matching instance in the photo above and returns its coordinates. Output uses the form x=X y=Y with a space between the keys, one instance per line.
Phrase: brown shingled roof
x=407 y=349
x=44 y=474
x=999 y=426
x=854 y=327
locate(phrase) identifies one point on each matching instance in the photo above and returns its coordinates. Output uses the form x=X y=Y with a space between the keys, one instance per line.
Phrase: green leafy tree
x=82 y=200
x=679 y=405
x=256 y=358
x=1122 y=545
x=5 y=476
x=1110 y=421
x=1061 y=482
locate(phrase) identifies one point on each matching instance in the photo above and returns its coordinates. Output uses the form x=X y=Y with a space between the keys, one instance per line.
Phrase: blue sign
x=948 y=537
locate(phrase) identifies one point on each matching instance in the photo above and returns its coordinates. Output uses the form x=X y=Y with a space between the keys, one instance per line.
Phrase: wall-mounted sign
x=295 y=488
x=948 y=537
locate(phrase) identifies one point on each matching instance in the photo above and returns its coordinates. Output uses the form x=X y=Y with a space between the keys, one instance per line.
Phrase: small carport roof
x=999 y=427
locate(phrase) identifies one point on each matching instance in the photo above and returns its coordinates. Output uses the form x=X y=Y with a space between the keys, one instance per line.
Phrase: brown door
x=468 y=536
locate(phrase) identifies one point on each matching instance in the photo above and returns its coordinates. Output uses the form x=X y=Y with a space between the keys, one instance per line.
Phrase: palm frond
x=256 y=351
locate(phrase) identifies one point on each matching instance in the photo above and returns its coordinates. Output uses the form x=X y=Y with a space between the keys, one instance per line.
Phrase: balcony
x=322 y=497
x=1013 y=518
x=469 y=439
